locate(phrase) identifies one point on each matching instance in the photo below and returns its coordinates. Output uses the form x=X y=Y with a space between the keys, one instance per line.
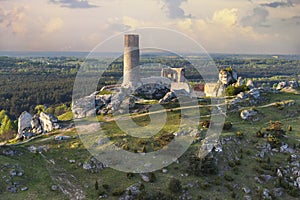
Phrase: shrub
x=199 y=166
x=259 y=134
x=175 y=185
x=273 y=140
x=118 y=192
x=7 y=128
x=232 y=90
x=228 y=177
x=129 y=175
x=59 y=110
x=239 y=134
x=39 y=108
x=96 y=185
x=105 y=186
x=152 y=177
x=227 y=126
x=205 y=123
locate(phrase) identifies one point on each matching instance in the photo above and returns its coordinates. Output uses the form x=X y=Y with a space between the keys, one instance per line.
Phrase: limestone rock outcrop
x=287 y=84
x=24 y=122
x=49 y=122
x=36 y=126
x=29 y=126
x=247 y=114
x=250 y=84
x=84 y=107
x=228 y=76
x=168 y=97
x=153 y=90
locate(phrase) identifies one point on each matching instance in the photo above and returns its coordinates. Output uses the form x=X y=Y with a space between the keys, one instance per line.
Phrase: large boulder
x=227 y=76
x=293 y=84
x=287 y=85
x=24 y=122
x=215 y=89
x=151 y=90
x=250 y=84
x=168 y=97
x=281 y=85
x=49 y=122
x=36 y=126
x=84 y=107
x=239 y=82
x=247 y=114
x=254 y=93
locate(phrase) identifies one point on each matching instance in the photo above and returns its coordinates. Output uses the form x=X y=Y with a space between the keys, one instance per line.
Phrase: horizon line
x=115 y=52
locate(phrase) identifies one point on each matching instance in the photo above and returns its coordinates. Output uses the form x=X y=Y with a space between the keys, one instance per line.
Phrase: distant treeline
x=28 y=82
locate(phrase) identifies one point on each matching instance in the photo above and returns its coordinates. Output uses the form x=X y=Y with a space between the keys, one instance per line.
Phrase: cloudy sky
x=220 y=26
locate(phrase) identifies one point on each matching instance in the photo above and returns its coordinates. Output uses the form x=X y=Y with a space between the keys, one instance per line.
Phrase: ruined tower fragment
x=131 y=71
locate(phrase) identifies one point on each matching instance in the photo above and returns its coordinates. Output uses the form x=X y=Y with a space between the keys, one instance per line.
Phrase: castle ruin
x=175 y=74
x=131 y=61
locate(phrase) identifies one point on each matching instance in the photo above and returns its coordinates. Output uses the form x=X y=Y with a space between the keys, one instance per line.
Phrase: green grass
x=237 y=161
x=66 y=116
x=104 y=92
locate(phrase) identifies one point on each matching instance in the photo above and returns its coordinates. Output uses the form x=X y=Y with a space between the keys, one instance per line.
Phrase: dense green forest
x=28 y=82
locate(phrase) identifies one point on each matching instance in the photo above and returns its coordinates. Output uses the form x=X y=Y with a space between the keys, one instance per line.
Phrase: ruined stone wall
x=174 y=74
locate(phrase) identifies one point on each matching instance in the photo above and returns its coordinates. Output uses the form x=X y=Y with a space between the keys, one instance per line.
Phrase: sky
x=220 y=26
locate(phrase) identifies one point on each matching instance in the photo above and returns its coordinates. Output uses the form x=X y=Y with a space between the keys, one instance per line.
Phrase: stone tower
x=131 y=72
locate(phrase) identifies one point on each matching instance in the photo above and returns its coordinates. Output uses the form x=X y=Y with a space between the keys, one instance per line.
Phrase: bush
x=118 y=192
x=7 y=128
x=175 y=185
x=152 y=177
x=228 y=177
x=59 y=110
x=232 y=90
x=227 y=126
x=239 y=134
x=39 y=108
x=205 y=123
x=259 y=134
x=199 y=166
x=96 y=185
x=129 y=175
x=105 y=186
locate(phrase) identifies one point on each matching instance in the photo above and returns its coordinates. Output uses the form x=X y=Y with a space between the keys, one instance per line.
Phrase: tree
x=2 y=115
x=96 y=185
x=59 y=110
x=39 y=108
x=6 y=125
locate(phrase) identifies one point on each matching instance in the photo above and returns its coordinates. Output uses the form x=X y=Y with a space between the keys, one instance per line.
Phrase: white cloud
x=223 y=33
x=53 y=25
x=12 y=19
x=227 y=17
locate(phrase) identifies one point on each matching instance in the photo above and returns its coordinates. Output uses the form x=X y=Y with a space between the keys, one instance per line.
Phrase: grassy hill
x=248 y=164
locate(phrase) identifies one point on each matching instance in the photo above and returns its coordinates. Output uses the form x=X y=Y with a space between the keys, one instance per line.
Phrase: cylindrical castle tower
x=131 y=72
